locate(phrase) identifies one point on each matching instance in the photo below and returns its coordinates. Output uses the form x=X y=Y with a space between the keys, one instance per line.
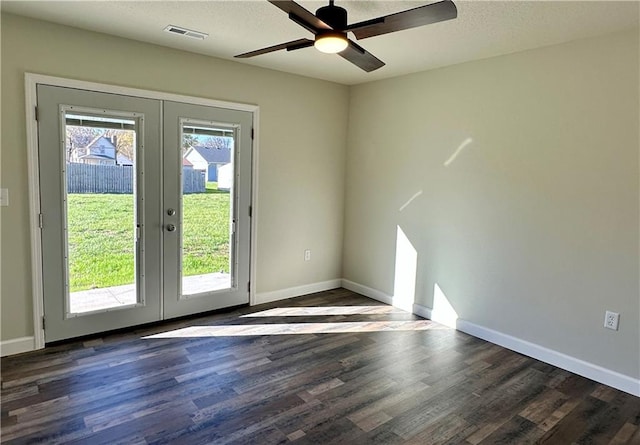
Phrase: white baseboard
x=17 y=346
x=26 y=344
x=367 y=291
x=555 y=358
x=422 y=311
x=577 y=366
x=283 y=294
x=571 y=364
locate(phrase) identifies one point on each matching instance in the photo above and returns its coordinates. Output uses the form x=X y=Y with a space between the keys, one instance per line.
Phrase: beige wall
x=532 y=229
x=302 y=147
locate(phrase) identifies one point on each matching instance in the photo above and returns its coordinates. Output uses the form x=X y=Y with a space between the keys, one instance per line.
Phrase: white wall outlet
x=4 y=197
x=611 y=320
x=307 y=255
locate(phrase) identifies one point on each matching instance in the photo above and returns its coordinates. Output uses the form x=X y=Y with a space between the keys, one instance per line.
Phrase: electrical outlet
x=4 y=197
x=611 y=320
x=307 y=255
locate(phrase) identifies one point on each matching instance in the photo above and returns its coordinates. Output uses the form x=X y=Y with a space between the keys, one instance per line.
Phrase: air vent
x=186 y=32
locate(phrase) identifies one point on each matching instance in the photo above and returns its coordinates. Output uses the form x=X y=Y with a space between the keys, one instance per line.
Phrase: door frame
x=33 y=173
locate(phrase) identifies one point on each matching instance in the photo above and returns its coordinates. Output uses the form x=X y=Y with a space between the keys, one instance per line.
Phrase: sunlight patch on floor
x=325 y=310
x=297 y=328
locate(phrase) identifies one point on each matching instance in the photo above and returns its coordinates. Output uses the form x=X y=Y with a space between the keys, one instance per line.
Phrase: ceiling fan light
x=331 y=43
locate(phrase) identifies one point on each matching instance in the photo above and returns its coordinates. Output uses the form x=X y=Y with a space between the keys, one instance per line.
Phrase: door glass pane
x=101 y=216
x=207 y=201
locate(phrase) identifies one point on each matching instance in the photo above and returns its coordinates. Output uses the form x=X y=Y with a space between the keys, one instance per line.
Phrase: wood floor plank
x=517 y=430
x=449 y=429
x=624 y=434
x=542 y=406
x=376 y=408
x=602 y=427
x=372 y=386
x=575 y=422
x=338 y=402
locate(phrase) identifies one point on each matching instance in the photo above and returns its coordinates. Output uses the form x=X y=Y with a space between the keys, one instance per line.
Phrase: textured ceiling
x=482 y=29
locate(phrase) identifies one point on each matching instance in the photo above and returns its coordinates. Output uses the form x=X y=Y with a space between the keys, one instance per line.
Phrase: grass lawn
x=101 y=235
x=212 y=187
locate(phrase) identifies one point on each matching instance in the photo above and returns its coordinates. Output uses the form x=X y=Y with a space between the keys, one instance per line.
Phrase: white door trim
x=31 y=101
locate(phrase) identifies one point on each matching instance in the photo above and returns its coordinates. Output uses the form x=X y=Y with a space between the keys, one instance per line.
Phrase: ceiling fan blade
x=289 y=46
x=304 y=43
x=301 y=16
x=360 y=57
x=420 y=16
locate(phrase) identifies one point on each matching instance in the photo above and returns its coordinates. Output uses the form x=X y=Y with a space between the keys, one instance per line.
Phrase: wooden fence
x=86 y=178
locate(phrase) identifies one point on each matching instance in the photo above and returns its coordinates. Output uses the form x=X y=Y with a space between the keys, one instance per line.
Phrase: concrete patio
x=117 y=296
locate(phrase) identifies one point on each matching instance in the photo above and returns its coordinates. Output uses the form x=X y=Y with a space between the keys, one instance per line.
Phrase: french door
x=144 y=209
x=206 y=235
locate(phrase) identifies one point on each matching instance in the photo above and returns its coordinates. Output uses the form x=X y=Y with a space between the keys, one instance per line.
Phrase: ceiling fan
x=329 y=25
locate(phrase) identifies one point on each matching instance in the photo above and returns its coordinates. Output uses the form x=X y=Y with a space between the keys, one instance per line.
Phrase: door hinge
x=248 y=286
x=43 y=323
x=252 y=133
x=250 y=211
x=40 y=220
x=36 y=113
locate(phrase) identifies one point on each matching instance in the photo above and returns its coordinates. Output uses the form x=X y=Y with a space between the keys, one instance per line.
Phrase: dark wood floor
x=373 y=375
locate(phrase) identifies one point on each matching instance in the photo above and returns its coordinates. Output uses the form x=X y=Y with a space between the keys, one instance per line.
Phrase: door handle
x=171 y=227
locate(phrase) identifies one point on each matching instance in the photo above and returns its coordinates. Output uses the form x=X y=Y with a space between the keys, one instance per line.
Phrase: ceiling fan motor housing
x=334 y=16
